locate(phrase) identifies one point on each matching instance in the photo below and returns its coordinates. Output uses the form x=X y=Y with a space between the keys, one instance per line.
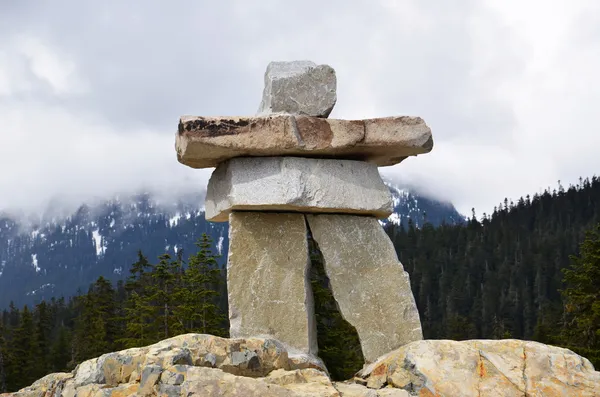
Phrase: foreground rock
x=299 y=87
x=190 y=365
x=268 y=288
x=296 y=184
x=204 y=142
x=205 y=365
x=368 y=282
x=483 y=368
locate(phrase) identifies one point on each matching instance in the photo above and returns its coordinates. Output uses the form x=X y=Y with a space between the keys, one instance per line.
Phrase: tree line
x=530 y=270
x=157 y=301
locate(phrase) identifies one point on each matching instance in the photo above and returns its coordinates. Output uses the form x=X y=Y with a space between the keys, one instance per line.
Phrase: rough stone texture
x=210 y=382
x=48 y=385
x=368 y=282
x=484 y=368
x=355 y=390
x=204 y=142
x=296 y=184
x=299 y=87
x=444 y=368
x=267 y=267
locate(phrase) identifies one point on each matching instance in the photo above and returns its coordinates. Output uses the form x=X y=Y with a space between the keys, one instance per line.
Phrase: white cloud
x=55 y=69
x=90 y=96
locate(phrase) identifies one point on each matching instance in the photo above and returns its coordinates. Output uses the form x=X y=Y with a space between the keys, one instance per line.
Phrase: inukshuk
x=289 y=171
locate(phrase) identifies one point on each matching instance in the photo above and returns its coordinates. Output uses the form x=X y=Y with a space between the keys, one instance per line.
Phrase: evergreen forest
x=530 y=270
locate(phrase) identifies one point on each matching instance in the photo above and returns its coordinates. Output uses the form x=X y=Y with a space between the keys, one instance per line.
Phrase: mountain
x=51 y=257
x=420 y=209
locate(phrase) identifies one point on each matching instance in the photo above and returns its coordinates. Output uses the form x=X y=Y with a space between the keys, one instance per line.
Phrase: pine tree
x=24 y=352
x=3 y=346
x=198 y=309
x=138 y=312
x=97 y=328
x=42 y=334
x=60 y=357
x=137 y=273
x=139 y=321
x=165 y=278
x=582 y=296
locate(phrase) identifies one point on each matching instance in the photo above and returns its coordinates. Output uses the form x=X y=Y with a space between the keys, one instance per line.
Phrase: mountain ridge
x=50 y=256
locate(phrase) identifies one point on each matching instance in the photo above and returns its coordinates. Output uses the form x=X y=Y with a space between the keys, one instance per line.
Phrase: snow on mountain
x=52 y=256
x=419 y=209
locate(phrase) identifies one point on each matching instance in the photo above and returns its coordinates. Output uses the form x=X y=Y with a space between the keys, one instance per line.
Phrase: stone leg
x=267 y=279
x=368 y=282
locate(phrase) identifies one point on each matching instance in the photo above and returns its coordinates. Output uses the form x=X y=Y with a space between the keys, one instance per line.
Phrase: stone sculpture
x=289 y=171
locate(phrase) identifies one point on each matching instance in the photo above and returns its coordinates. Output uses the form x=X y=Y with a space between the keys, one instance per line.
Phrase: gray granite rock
x=299 y=87
x=296 y=184
x=267 y=267
x=368 y=282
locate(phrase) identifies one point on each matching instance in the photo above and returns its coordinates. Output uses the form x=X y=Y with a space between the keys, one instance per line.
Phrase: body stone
x=296 y=184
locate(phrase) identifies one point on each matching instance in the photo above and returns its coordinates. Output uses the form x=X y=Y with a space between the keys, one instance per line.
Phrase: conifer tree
x=42 y=335
x=24 y=350
x=60 y=357
x=165 y=279
x=198 y=309
x=138 y=311
x=137 y=271
x=139 y=321
x=3 y=346
x=582 y=296
x=97 y=328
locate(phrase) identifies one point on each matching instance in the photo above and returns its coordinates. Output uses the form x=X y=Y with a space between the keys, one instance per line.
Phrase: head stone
x=299 y=87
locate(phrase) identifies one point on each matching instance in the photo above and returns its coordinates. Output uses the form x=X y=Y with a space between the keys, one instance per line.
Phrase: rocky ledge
x=205 y=365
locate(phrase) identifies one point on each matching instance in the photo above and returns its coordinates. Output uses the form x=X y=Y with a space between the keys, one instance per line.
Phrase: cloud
x=90 y=94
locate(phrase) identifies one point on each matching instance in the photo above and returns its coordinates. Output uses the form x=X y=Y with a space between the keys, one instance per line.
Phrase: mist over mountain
x=53 y=255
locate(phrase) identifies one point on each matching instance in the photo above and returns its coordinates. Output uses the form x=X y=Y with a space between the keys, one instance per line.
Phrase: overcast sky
x=91 y=92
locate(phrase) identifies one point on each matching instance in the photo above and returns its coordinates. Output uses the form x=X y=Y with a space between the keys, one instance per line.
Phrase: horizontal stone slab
x=296 y=184
x=204 y=142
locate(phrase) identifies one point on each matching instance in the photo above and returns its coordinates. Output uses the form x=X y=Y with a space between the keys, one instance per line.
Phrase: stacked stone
x=289 y=171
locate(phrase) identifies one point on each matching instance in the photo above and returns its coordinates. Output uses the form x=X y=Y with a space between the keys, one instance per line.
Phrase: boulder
x=267 y=267
x=298 y=185
x=483 y=368
x=50 y=385
x=368 y=282
x=444 y=368
x=204 y=142
x=299 y=87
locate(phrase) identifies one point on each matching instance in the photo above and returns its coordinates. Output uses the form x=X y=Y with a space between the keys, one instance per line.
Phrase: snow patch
x=118 y=270
x=395 y=218
x=174 y=220
x=112 y=222
x=100 y=249
x=34 y=262
x=35 y=291
x=220 y=245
